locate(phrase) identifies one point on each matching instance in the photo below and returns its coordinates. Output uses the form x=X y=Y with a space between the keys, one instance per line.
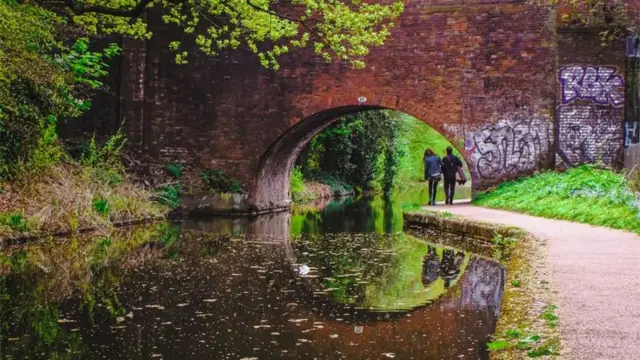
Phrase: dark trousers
x=449 y=189
x=433 y=189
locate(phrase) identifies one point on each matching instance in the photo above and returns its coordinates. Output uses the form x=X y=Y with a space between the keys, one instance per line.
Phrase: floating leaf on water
x=64 y=321
x=297 y=321
x=159 y=307
x=182 y=304
x=210 y=300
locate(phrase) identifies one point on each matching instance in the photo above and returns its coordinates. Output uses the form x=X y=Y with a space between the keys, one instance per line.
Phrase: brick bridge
x=512 y=89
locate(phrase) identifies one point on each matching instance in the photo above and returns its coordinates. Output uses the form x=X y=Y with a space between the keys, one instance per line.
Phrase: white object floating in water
x=389 y=355
x=303 y=269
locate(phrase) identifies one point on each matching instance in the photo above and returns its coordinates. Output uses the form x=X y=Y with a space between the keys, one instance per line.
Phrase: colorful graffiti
x=514 y=146
x=597 y=84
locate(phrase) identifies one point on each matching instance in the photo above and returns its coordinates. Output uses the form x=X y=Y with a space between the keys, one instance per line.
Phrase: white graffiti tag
x=600 y=85
x=587 y=133
x=510 y=147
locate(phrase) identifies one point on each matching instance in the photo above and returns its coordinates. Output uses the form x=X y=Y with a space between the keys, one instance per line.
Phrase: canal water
x=332 y=280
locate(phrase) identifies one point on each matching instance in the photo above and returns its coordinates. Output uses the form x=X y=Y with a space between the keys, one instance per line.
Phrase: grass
x=69 y=197
x=420 y=136
x=584 y=194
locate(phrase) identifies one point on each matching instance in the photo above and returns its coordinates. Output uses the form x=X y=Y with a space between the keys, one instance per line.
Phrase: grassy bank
x=71 y=197
x=321 y=187
x=83 y=187
x=585 y=194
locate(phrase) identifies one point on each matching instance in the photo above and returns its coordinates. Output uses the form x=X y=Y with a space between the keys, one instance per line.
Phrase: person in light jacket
x=432 y=173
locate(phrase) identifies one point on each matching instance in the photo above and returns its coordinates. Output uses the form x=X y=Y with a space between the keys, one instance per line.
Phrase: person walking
x=451 y=165
x=432 y=173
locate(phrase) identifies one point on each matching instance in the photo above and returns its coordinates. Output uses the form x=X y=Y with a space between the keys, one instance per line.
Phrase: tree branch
x=285 y=17
x=133 y=12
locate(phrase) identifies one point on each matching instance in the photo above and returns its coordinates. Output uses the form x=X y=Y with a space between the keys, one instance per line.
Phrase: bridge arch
x=272 y=187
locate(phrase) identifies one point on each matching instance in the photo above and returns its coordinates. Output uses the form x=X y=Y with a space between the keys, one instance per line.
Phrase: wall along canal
x=340 y=282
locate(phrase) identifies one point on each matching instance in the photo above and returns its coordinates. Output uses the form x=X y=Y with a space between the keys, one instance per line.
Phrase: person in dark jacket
x=432 y=173
x=451 y=165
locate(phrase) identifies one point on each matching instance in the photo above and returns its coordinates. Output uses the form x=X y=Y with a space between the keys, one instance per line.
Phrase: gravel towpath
x=596 y=273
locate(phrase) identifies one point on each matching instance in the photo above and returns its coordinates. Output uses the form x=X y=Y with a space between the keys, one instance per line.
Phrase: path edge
x=527 y=307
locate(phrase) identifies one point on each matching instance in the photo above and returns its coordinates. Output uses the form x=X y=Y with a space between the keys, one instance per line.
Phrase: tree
x=41 y=79
x=615 y=17
x=341 y=30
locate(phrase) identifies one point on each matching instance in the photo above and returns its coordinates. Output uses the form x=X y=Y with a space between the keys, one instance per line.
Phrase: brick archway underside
x=272 y=188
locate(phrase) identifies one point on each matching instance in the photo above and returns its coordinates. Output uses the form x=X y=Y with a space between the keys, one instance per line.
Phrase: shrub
x=216 y=181
x=101 y=206
x=106 y=155
x=297 y=181
x=337 y=185
x=15 y=221
x=175 y=169
x=169 y=195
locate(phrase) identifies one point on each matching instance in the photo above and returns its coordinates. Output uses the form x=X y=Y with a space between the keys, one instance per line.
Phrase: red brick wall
x=483 y=73
x=479 y=73
x=590 y=97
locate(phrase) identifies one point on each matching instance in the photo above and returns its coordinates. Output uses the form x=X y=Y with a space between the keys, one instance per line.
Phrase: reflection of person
x=430 y=266
x=450 y=265
x=451 y=165
x=432 y=173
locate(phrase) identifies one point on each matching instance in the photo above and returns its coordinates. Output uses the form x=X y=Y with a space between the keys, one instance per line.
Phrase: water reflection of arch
x=273 y=230
x=248 y=298
x=471 y=304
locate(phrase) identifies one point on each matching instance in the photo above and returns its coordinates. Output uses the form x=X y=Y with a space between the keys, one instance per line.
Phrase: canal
x=329 y=280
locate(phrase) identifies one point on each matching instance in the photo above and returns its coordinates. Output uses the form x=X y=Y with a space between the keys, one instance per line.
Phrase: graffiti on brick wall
x=597 y=84
x=516 y=145
x=588 y=133
x=630 y=133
